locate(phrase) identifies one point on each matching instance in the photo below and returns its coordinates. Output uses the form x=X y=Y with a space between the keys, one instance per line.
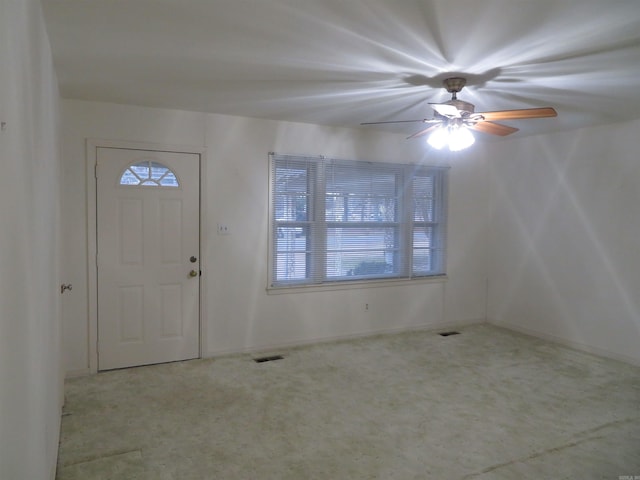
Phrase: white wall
x=239 y=315
x=564 y=241
x=81 y=120
x=30 y=366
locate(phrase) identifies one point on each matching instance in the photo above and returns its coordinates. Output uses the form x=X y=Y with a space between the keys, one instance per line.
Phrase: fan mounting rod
x=453 y=85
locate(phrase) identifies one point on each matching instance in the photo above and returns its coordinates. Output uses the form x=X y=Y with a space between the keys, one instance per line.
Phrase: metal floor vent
x=447 y=334
x=268 y=359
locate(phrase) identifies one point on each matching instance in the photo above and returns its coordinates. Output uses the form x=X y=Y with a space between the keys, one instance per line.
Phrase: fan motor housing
x=462 y=106
x=454 y=84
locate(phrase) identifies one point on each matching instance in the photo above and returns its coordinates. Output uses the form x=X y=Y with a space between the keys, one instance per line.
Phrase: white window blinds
x=336 y=220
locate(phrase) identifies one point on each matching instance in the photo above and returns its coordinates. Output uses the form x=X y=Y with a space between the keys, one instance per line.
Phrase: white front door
x=148 y=256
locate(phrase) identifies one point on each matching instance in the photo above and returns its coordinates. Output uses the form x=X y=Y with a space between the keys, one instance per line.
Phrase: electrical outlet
x=223 y=229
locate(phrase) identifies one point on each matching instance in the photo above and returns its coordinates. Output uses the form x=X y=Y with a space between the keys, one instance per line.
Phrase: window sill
x=395 y=282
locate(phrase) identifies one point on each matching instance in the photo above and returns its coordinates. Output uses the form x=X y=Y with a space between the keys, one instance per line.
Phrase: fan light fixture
x=453 y=120
x=456 y=137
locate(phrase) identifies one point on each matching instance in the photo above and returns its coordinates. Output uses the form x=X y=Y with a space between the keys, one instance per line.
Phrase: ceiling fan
x=454 y=114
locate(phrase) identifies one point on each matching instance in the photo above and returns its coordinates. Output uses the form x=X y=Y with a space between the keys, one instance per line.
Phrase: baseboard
x=316 y=341
x=600 y=352
x=77 y=373
x=54 y=467
x=340 y=338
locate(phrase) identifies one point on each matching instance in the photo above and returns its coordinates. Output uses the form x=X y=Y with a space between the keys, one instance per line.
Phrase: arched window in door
x=149 y=174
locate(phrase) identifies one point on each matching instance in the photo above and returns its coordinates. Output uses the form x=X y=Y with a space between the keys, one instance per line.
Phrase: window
x=148 y=173
x=339 y=221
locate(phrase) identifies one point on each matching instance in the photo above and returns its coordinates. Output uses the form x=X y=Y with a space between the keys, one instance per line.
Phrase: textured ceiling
x=343 y=62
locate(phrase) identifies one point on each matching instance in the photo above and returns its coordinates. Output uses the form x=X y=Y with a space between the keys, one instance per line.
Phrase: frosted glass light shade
x=460 y=138
x=439 y=138
x=455 y=137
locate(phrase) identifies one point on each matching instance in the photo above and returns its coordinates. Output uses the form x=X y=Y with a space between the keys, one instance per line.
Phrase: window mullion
x=407 y=222
x=440 y=199
x=319 y=226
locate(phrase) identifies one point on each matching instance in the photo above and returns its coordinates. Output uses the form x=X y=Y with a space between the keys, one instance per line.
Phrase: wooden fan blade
x=424 y=120
x=446 y=110
x=519 y=114
x=423 y=132
x=493 y=128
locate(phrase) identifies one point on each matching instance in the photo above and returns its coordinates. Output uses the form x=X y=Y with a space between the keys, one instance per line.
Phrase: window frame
x=317 y=226
x=149 y=181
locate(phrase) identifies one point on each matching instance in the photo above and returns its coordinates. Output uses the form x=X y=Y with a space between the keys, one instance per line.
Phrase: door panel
x=170 y=231
x=171 y=311
x=130 y=230
x=131 y=313
x=148 y=230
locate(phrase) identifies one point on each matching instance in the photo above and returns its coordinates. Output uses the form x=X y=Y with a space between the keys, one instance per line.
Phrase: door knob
x=193 y=273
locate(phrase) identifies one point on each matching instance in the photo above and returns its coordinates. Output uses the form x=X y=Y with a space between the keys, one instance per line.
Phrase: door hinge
x=95 y=170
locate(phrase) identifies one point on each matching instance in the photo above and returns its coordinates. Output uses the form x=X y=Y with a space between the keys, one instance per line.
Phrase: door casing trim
x=92 y=146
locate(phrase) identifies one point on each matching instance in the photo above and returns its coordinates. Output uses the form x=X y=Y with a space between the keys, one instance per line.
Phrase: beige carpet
x=485 y=404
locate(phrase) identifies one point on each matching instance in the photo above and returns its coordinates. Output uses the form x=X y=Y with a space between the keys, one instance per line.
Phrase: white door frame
x=92 y=146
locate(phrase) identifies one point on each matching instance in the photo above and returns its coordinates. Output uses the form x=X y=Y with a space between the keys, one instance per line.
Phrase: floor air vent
x=447 y=334
x=268 y=359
